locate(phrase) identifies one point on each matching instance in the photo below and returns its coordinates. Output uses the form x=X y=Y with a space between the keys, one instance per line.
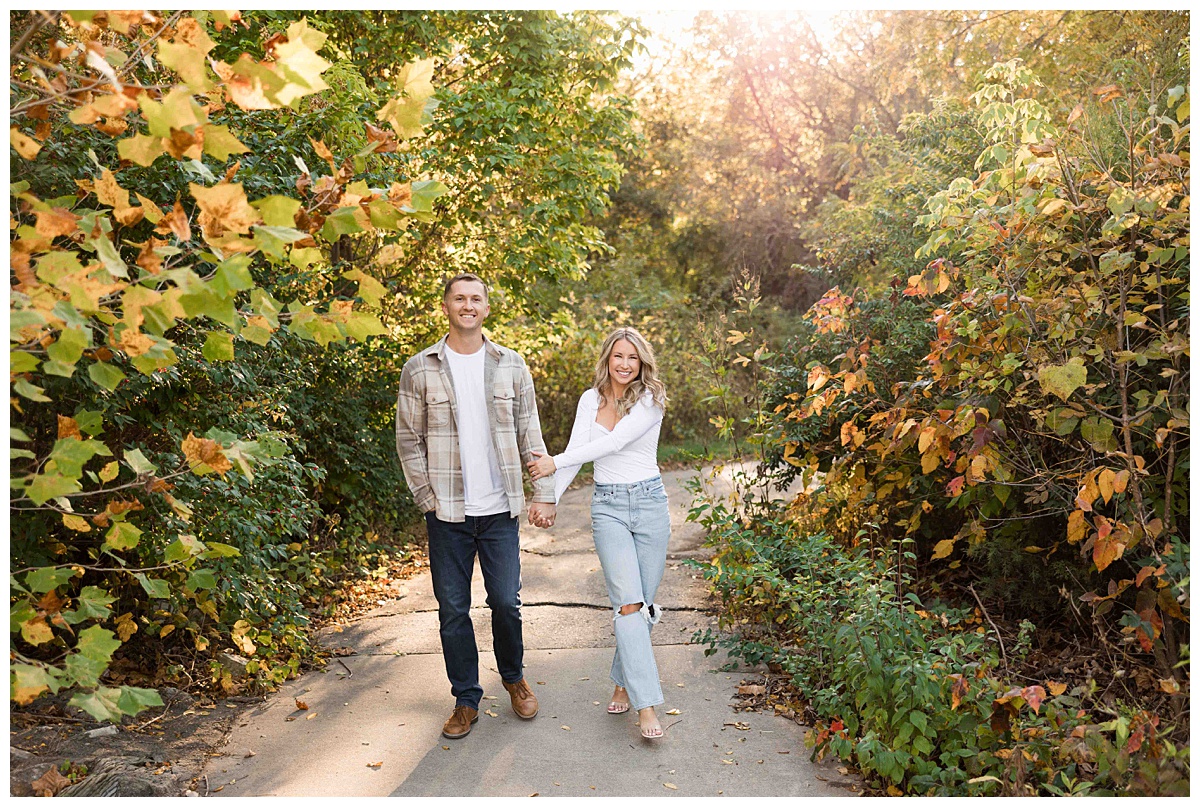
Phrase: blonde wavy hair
x=647 y=377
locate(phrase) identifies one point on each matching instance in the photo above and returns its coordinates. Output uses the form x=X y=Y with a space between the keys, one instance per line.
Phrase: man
x=466 y=425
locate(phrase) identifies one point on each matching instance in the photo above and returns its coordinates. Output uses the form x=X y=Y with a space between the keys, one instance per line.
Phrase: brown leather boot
x=524 y=702
x=459 y=724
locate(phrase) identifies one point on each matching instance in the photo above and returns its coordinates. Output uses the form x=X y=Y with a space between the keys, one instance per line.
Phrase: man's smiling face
x=466 y=306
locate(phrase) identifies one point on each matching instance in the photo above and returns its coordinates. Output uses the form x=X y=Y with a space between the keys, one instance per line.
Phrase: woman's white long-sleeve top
x=628 y=453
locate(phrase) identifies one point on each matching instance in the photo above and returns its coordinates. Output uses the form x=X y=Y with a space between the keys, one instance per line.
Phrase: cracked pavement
x=374 y=718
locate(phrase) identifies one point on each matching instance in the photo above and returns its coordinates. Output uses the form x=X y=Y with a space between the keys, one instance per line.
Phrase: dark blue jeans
x=452 y=550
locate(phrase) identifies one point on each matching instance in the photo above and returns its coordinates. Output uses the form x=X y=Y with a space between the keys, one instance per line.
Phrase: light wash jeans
x=631 y=527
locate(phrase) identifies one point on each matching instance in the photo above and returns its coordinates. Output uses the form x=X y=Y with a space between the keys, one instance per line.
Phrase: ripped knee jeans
x=631 y=527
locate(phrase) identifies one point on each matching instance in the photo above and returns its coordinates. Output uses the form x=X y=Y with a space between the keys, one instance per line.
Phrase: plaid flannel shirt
x=427 y=430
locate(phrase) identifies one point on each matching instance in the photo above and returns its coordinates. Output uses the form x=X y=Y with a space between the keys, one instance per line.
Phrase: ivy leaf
x=1062 y=380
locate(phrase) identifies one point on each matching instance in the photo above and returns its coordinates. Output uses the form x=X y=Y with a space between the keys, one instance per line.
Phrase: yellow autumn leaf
x=223 y=208
x=25 y=145
x=76 y=523
x=943 y=548
x=204 y=455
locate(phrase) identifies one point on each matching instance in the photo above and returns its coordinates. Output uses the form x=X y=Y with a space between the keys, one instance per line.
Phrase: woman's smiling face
x=624 y=365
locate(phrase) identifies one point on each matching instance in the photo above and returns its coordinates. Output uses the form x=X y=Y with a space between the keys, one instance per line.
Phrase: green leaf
x=90 y=421
x=218 y=346
x=93 y=602
x=303 y=257
x=158 y=589
x=20 y=613
x=84 y=671
x=69 y=347
x=21 y=362
x=48 y=578
x=137 y=461
x=278 y=211
x=370 y=289
x=341 y=222
x=183 y=548
x=27 y=390
x=219 y=142
x=256 y=334
x=233 y=275
x=135 y=699
x=423 y=194
x=110 y=257
x=122 y=535
x=1099 y=432
x=1062 y=380
x=70 y=455
x=201 y=579
x=47 y=486
x=97 y=643
x=105 y=375
x=101 y=704
x=360 y=325
x=218 y=550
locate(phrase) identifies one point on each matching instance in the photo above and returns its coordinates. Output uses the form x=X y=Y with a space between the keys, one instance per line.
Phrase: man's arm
x=410 y=438
x=529 y=434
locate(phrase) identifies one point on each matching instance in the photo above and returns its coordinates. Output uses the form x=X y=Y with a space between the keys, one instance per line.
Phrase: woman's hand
x=543 y=465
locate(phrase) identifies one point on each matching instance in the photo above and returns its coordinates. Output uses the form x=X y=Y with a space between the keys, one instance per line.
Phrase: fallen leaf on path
x=752 y=689
x=490 y=713
x=301 y=705
x=378 y=764
x=760 y=762
x=249 y=754
x=218 y=789
x=49 y=783
x=783 y=752
x=489 y=697
x=541 y=683
x=445 y=748
x=670 y=786
x=288 y=719
x=739 y=725
x=595 y=703
x=310 y=715
x=679 y=685
x=566 y=728
x=844 y=771
x=673 y=712
x=727 y=761
x=585 y=679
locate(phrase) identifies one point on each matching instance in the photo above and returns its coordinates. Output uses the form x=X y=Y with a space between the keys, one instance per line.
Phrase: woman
x=617 y=424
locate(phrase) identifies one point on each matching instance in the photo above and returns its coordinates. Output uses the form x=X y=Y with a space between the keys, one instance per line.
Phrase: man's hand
x=541 y=514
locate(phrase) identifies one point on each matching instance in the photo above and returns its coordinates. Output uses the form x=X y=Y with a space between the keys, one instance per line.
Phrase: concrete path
x=373 y=726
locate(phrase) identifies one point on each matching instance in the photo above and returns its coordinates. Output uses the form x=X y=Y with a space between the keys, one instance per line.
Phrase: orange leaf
x=1105 y=482
x=49 y=783
x=1120 y=481
x=958 y=690
x=204 y=455
x=55 y=222
x=67 y=427
x=1076 y=526
x=301 y=705
x=1056 y=688
x=1034 y=695
x=1143 y=573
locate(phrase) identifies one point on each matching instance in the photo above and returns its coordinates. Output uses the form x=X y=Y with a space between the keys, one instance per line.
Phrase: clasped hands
x=541 y=514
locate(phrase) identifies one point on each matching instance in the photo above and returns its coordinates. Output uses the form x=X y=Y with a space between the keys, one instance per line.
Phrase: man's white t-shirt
x=483 y=485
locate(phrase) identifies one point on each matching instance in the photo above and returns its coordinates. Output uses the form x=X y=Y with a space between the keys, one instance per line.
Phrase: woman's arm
x=579 y=430
x=644 y=416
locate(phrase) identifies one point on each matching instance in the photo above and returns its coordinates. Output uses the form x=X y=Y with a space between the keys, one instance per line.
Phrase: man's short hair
x=464 y=276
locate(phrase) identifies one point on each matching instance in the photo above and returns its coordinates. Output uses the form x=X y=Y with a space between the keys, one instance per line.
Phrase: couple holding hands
x=466 y=424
